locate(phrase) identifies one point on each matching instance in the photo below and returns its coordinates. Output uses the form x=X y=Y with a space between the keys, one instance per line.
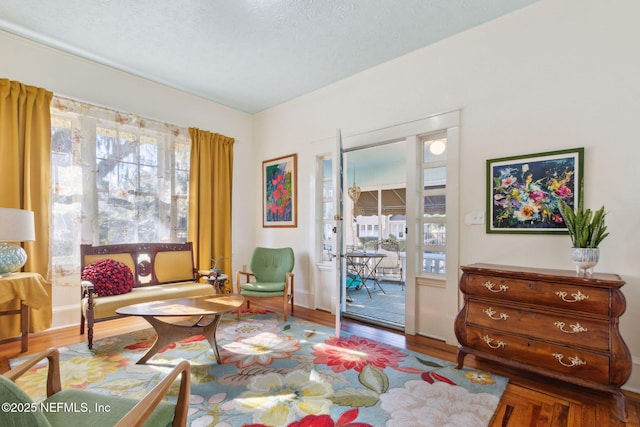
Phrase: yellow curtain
x=25 y=157
x=210 y=182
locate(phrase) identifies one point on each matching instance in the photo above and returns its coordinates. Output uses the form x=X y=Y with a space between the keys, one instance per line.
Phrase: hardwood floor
x=527 y=401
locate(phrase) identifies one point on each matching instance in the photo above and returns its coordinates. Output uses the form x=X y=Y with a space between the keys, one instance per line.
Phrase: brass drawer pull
x=489 y=285
x=575 y=329
x=575 y=360
x=490 y=312
x=577 y=297
x=489 y=341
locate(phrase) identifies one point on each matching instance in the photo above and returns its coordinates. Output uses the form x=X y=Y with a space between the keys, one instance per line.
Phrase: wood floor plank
x=529 y=400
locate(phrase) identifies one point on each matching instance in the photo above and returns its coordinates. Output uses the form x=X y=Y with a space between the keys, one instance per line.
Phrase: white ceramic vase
x=585 y=259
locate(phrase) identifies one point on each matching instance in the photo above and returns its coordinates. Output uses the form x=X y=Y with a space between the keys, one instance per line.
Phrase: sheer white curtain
x=116 y=178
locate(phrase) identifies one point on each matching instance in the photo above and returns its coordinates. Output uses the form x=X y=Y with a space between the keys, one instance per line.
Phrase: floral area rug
x=293 y=373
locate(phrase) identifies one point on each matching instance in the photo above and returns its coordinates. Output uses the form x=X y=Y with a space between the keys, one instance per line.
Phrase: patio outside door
x=374 y=229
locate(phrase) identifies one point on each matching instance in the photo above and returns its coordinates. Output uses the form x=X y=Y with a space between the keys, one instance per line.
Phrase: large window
x=116 y=178
x=434 y=227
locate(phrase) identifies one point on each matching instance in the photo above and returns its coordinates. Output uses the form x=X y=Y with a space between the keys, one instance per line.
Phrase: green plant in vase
x=587 y=230
x=214 y=264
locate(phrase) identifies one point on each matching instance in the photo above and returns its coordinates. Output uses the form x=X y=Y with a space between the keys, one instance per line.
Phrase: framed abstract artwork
x=524 y=192
x=279 y=198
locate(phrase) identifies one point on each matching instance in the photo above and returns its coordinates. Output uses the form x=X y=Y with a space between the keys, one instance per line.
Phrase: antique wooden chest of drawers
x=551 y=322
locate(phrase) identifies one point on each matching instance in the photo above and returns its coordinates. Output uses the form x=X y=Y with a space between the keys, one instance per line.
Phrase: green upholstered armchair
x=270 y=277
x=78 y=407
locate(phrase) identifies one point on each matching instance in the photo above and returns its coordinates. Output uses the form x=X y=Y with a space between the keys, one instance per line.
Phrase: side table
x=217 y=281
x=28 y=288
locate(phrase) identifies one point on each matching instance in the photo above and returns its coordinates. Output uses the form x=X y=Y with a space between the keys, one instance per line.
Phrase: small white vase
x=585 y=259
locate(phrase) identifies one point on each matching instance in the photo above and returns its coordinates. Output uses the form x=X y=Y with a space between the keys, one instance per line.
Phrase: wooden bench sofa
x=160 y=271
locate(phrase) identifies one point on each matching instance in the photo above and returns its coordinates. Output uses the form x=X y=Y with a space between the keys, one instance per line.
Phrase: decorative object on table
x=278 y=373
x=279 y=198
x=214 y=270
x=216 y=277
x=16 y=225
x=586 y=229
x=524 y=192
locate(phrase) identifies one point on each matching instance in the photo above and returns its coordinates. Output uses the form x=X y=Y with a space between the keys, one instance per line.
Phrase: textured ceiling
x=246 y=54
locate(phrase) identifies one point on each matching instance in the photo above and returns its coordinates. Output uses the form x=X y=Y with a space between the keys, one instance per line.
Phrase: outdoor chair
x=390 y=267
x=270 y=277
x=75 y=407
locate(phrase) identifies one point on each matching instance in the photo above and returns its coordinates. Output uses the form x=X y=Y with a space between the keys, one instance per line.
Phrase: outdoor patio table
x=363 y=265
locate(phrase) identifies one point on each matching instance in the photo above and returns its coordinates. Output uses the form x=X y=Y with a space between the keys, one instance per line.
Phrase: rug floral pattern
x=294 y=374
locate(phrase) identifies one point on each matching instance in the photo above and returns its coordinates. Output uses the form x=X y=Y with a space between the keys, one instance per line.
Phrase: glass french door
x=338 y=230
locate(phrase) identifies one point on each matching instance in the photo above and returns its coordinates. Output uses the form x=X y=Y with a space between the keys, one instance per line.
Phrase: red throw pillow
x=109 y=277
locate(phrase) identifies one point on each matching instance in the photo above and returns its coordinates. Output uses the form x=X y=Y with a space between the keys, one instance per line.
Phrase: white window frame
x=325 y=255
x=422 y=219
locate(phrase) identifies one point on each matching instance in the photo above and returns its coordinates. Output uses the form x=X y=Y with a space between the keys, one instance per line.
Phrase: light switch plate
x=474 y=218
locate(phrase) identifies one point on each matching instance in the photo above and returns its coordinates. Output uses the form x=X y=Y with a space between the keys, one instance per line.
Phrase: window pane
x=150 y=226
x=116 y=221
x=327 y=189
x=182 y=155
x=182 y=183
x=435 y=178
x=149 y=153
x=435 y=150
x=327 y=210
x=434 y=262
x=435 y=206
x=327 y=251
x=326 y=168
x=106 y=146
x=182 y=204
x=435 y=234
x=148 y=179
x=327 y=232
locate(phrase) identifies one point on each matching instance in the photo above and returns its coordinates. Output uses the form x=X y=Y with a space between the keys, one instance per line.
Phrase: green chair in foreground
x=271 y=272
x=80 y=407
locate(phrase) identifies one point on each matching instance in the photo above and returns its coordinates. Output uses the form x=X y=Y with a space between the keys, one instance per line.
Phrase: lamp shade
x=16 y=225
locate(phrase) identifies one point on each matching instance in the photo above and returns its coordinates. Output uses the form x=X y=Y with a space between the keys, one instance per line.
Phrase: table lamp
x=16 y=225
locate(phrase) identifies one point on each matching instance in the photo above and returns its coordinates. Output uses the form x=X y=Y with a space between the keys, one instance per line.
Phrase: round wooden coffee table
x=179 y=318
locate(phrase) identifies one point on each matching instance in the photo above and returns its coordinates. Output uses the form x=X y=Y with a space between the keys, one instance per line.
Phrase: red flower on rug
x=146 y=344
x=343 y=354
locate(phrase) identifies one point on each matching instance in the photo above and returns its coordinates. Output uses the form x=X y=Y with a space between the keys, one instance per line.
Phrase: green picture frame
x=523 y=192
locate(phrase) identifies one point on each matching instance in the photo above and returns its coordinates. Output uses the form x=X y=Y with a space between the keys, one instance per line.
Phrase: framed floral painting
x=279 y=201
x=524 y=192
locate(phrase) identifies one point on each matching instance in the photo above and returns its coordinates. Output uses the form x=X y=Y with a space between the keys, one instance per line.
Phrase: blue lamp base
x=12 y=258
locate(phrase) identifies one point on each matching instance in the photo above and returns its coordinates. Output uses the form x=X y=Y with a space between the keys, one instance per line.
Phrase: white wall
x=557 y=74
x=70 y=76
